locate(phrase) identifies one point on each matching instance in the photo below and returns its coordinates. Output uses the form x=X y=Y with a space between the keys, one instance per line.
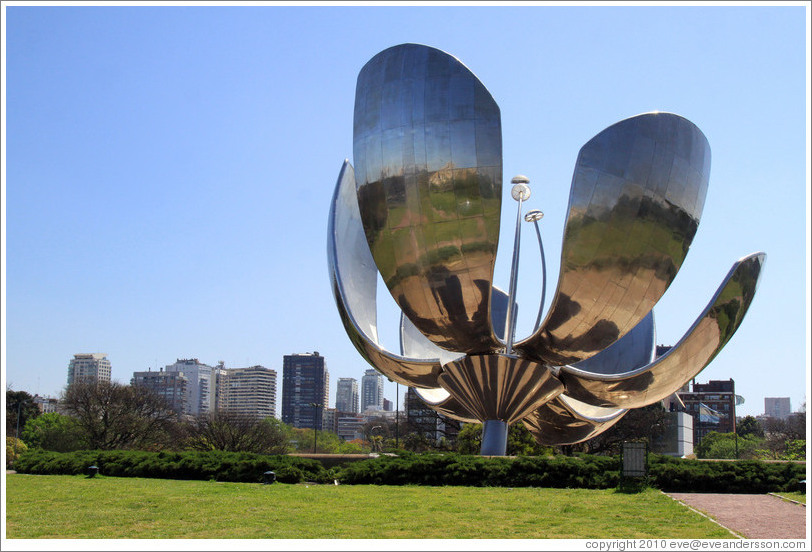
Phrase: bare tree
x=114 y=416
x=237 y=433
x=646 y=423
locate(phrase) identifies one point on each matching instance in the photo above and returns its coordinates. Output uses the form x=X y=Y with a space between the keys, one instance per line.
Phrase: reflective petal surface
x=354 y=282
x=664 y=376
x=499 y=387
x=635 y=203
x=427 y=145
x=559 y=423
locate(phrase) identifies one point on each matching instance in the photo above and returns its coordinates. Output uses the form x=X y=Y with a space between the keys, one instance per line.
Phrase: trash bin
x=268 y=477
x=92 y=470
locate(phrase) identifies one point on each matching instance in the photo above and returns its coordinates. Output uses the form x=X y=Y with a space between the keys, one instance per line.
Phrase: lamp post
x=495 y=432
x=316 y=407
x=520 y=192
x=397 y=413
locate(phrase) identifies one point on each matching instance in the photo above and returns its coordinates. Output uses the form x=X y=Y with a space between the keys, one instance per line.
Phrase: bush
x=744 y=476
x=594 y=472
x=218 y=465
x=14 y=448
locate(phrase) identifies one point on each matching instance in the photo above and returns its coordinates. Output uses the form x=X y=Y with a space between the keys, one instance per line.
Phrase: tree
x=327 y=442
x=52 y=431
x=114 y=416
x=14 y=448
x=750 y=426
x=725 y=445
x=234 y=432
x=520 y=441
x=22 y=402
x=780 y=433
x=646 y=424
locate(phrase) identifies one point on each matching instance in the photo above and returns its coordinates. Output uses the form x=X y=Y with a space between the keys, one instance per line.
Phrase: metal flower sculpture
x=422 y=207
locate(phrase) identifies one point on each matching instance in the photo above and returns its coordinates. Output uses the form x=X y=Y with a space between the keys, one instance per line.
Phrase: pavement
x=753 y=516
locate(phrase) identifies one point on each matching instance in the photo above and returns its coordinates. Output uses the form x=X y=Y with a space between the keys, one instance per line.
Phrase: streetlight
x=397 y=413
x=520 y=192
x=316 y=407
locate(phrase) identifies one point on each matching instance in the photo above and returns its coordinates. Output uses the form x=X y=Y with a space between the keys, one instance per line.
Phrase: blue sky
x=168 y=170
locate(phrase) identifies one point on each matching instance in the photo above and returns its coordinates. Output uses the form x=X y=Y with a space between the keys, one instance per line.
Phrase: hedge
x=581 y=471
x=217 y=465
x=590 y=472
x=741 y=476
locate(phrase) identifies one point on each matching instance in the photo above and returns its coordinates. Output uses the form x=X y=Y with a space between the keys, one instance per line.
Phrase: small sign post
x=633 y=460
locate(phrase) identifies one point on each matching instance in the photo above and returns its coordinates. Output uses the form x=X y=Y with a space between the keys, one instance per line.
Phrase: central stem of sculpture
x=495 y=432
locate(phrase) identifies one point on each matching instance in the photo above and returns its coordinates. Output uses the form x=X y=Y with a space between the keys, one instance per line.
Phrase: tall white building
x=777 y=407
x=372 y=390
x=347 y=395
x=202 y=381
x=247 y=391
x=173 y=387
x=89 y=367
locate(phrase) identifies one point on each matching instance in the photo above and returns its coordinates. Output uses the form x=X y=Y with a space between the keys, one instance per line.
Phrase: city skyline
x=157 y=207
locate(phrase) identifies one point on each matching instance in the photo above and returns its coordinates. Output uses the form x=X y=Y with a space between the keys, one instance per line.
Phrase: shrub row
x=218 y=465
x=583 y=471
x=588 y=472
x=743 y=476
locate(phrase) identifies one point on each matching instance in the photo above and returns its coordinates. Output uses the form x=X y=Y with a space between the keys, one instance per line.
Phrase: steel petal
x=354 y=281
x=427 y=145
x=635 y=203
x=559 y=422
x=696 y=349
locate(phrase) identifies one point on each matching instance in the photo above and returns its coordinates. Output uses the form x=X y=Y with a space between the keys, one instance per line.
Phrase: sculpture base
x=494 y=438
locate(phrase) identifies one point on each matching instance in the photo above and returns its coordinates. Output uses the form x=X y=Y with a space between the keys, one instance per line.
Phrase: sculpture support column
x=494 y=438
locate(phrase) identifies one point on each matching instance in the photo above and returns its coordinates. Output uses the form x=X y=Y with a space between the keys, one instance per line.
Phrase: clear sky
x=168 y=170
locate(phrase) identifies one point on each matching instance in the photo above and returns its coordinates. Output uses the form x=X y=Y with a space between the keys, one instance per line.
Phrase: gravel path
x=755 y=516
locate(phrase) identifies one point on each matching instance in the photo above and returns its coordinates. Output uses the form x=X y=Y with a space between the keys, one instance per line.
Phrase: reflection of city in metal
x=422 y=208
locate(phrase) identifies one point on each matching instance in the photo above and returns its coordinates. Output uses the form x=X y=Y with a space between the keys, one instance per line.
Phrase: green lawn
x=56 y=506
x=797 y=497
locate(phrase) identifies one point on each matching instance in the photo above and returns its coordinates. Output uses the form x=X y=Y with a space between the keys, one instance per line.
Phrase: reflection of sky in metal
x=423 y=209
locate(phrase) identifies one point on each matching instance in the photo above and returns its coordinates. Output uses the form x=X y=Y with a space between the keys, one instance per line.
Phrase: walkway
x=754 y=516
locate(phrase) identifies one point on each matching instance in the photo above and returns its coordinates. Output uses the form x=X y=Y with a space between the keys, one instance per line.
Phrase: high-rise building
x=372 y=390
x=248 y=391
x=387 y=405
x=305 y=389
x=777 y=407
x=202 y=383
x=89 y=367
x=347 y=395
x=713 y=407
x=329 y=420
x=172 y=386
x=427 y=422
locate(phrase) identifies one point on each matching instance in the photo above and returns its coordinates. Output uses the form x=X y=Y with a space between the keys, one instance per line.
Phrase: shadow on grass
x=632 y=486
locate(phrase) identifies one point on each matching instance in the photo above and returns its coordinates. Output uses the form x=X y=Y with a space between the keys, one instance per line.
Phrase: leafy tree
x=22 y=402
x=780 y=432
x=326 y=442
x=14 y=448
x=520 y=441
x=52 y=431
x=233 y=432
x=796 y=450
x=114 y=416
x=750 y=426
x=724 y=445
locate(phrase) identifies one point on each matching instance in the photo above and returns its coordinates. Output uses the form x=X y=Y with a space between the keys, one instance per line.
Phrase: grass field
x=797 y=497
x=64 y=507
